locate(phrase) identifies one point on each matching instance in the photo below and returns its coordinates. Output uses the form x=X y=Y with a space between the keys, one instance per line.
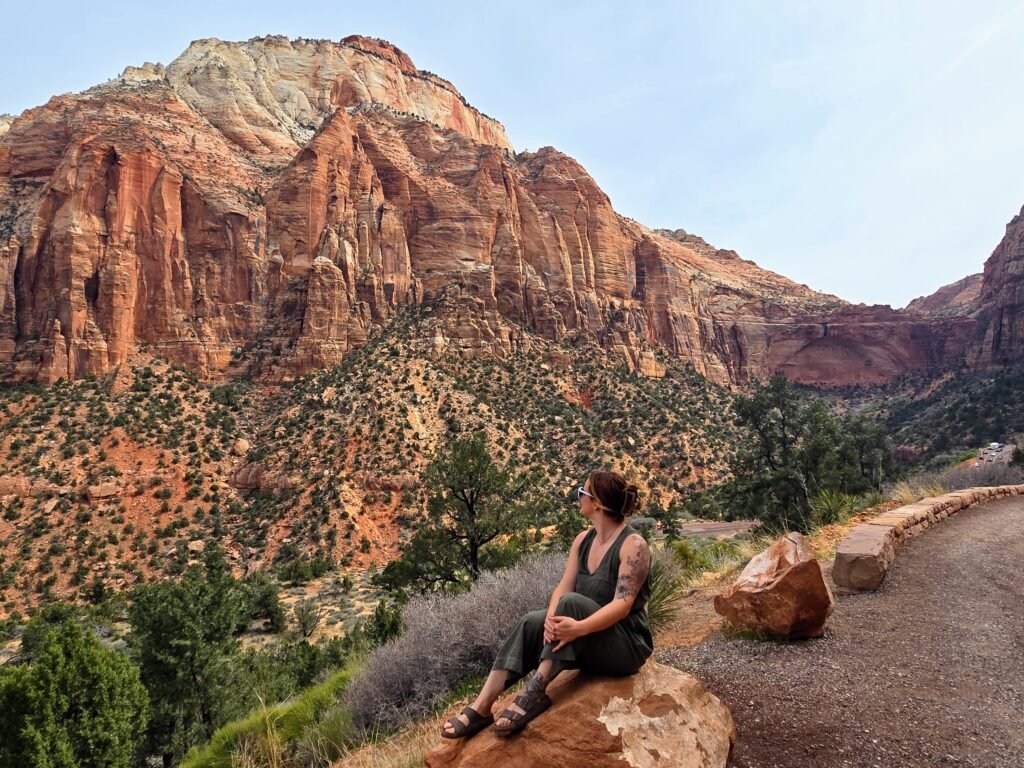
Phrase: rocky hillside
x=936 y=420
x=108 y=481
x=298 y=194
x=247 y=296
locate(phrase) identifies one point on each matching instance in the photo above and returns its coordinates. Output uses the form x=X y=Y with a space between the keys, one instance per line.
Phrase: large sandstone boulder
x=13 y=486
x=658 y=717
x=782 y=591
x=254 y=476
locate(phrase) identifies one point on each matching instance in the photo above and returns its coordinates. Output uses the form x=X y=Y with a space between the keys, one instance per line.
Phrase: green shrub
x=1017 y=457
x=77 y=704
x=264 y=602
x=288 y=721
x=308 y=615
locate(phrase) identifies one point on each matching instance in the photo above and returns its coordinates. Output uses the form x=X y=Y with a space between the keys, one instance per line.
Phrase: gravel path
x=926 y=672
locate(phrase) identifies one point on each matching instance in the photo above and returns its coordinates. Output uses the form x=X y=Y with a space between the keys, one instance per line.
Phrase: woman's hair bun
x=631 y=500
x=617 y=497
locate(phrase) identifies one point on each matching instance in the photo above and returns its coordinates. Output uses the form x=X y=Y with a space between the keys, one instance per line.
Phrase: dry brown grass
x=264 y=748
x=405 y=749
x=825 y=539
x=694 y=622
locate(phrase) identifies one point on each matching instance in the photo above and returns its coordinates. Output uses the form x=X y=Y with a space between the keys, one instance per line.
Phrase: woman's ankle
x=482 y=706
x=538 y=682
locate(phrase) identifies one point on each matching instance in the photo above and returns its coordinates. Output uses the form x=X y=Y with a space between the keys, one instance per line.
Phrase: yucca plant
x=831 y=506
x=689 y=557
x=666 y=581
x=725 y=553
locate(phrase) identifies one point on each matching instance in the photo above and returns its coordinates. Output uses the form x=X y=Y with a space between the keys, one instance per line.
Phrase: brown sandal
x=461 y=730
x=532 y=703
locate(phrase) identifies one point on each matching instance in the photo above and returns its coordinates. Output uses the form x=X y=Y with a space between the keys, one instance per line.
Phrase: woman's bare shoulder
x=636 y=542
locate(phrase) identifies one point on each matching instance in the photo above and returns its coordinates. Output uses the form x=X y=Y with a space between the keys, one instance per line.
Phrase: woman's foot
x=467 y=723
x=503 y=722
x=524 y=708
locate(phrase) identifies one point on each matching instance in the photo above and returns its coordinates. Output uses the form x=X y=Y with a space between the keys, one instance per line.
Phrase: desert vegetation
x=798 y=463
x=933 y=421
x=123 y=518
x=125 y=479
x=157 y=671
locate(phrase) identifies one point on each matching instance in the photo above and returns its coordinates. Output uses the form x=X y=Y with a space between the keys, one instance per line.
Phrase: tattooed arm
x=635 y=563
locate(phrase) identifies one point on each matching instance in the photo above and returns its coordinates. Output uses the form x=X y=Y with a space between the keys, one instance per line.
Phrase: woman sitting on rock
x=596 y=620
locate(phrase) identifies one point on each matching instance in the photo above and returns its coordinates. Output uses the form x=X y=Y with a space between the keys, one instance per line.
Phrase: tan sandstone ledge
x=657 y=718
x=864 y=557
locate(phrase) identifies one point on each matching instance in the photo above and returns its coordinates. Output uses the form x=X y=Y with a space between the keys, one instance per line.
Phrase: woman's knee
x=534 y=620
x=573 y=604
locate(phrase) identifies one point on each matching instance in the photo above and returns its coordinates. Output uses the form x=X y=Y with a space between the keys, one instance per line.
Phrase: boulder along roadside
x=927 y=671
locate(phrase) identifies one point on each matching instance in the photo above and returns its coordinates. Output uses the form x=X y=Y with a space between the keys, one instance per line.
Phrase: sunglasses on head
x=581 y=492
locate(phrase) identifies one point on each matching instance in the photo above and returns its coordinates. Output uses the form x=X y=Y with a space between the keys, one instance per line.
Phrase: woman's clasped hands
x=563 y=629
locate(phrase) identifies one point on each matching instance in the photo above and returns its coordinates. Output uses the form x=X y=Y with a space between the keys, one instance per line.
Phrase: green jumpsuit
x=617 y=651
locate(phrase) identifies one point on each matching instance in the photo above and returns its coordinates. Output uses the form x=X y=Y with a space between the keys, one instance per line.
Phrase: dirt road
x=927 y=672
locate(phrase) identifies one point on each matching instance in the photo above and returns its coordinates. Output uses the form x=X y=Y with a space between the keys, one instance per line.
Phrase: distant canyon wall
x=295 y=195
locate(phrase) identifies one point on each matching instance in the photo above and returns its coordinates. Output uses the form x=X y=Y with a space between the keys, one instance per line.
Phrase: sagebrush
x=445 y=640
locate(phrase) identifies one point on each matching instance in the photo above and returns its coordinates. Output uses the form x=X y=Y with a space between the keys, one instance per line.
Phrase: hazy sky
x=870 y=149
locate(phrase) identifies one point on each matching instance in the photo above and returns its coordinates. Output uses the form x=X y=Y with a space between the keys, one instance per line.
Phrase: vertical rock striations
x=292 y=196
x=1001 y=317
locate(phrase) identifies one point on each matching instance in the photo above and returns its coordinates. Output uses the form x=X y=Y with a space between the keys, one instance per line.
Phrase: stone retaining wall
x=864 y=557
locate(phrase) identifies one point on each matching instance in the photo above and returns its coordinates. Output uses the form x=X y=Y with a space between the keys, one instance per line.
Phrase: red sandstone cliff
x=295 y=194
x=1000 y=338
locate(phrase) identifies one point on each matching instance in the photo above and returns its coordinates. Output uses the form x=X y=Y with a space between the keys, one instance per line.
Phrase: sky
x=868 y=149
